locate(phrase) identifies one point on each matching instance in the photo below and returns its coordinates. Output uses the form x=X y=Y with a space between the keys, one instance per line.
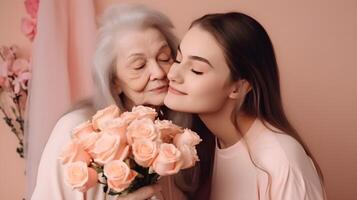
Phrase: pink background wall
x=12 y=167
x=316 y=46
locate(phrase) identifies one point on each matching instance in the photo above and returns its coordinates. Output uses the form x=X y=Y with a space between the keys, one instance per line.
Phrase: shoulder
x=62 y=130
x=73 y=118
x=50 y=182
x=277 y=152
x=285 y=164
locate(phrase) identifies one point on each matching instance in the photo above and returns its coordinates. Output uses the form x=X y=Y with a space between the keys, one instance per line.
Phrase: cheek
x=207 y=96
x=133 y=80
x=203 y=96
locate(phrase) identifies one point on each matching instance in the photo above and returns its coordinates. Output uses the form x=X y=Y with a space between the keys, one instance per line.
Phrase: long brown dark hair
x=250 y=55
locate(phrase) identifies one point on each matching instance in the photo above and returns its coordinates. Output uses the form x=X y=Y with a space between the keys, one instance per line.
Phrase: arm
x=50 y=180
x=291 y=172
x=292 y=183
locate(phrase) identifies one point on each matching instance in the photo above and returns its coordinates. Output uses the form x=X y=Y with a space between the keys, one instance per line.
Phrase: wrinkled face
x=143 y=60
x=199 y=78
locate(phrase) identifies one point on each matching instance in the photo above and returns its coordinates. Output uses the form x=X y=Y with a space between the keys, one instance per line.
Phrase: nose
x=157 y=72
x=174 y=74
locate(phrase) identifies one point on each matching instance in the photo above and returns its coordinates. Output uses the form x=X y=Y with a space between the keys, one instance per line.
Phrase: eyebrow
x=164 y=45
x=135 y=54
x=198 y=58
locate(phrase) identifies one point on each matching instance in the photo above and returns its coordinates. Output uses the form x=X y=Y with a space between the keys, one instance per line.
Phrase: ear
x=239 y=89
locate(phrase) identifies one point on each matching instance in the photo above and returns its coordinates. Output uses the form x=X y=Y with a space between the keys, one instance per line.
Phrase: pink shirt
x=281 y=169
x=50 y=179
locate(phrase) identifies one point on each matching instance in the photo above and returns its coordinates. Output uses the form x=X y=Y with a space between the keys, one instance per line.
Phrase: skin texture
x=142 y=193
x=195 y=77
x=200 y=83
x=143 y=60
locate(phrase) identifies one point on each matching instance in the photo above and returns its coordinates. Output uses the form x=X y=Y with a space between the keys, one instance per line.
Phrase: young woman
x=133 y=55
x=226 y=72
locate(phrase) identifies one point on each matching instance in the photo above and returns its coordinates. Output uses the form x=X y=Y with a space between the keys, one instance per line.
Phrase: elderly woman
x=134 y=53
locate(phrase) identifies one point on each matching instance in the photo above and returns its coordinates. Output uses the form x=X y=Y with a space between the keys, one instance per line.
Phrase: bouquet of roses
x=126 y=150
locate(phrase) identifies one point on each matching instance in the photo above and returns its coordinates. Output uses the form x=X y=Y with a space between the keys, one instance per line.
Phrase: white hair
x=114 y=22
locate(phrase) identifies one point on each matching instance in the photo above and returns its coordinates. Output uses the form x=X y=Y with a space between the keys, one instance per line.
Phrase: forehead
x=138 y=40
x=199 y=42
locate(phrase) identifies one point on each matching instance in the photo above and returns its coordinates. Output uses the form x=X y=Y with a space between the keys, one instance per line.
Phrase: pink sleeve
x=286 y=171
x=291 y=183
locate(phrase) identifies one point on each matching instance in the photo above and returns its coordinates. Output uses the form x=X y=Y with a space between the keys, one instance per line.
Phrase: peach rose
x=109 y=147
x=82 y=130
x=168 y=161
x=139 y=112
x=142 y=112
x=119 y=175
x=73 y=152
x=102 y=117
x=79 y=176
x=188 y=155
x=117 y=126
x=188 y=137
x=167 y=130
x=85 y=135
x=128 y=117
x=88 y=141
x=144 y=151
x=141 y=129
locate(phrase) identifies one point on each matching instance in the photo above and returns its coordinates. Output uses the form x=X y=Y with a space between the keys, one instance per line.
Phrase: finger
x=142 y=193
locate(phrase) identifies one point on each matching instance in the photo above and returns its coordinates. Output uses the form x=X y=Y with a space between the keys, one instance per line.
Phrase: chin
x=189 y=105
x=158 y=101
x=177 y=105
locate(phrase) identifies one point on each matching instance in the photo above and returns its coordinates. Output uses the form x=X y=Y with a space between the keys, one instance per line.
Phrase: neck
x=221 y=125
x=128 y=104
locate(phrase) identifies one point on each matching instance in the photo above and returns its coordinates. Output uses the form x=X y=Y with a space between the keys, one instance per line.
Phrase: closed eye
x=196 y=72
x=140 y=67
x=176 y=61
x=165 y=60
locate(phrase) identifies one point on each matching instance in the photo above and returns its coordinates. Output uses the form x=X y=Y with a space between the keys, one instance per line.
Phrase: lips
x=162 y=88
x=176 y=91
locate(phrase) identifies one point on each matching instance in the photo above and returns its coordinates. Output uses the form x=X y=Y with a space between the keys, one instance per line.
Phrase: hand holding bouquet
x=126 y=151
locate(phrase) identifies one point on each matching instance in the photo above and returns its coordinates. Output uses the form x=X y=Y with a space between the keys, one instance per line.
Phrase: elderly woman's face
x=143 y=60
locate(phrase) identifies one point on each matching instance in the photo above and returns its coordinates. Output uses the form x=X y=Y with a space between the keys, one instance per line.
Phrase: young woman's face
x=199 y=78
x=143 y=60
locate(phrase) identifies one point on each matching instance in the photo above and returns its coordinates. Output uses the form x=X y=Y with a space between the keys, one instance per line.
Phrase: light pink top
x=50 y=180
x=281 y=169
